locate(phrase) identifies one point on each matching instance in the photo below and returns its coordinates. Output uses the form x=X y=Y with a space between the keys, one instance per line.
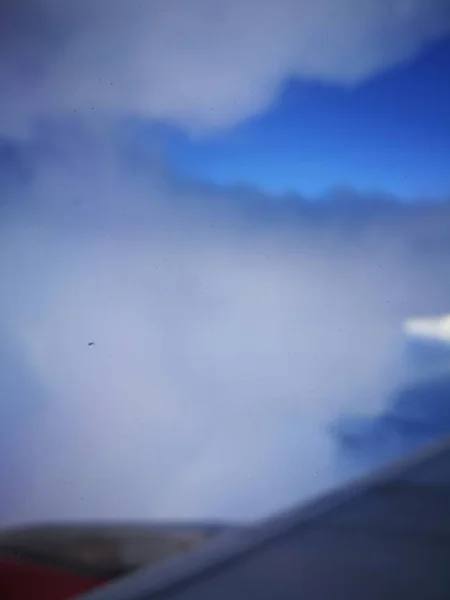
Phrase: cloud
x=200 y=64
x=433 y=328
x=169 y=348
x=229 y=329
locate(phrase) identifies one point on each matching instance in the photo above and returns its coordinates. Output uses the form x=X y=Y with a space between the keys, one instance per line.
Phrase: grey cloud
x=201 y=64
x=224 y=343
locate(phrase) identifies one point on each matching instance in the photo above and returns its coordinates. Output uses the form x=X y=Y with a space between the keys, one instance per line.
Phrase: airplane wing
x=385 y=537
x=60 y=561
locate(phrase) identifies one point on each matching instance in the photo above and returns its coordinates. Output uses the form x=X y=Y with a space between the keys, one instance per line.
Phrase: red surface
x=23 y=581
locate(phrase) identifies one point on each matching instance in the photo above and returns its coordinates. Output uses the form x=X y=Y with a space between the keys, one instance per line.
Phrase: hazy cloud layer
x=198 y=63
x=229 y=330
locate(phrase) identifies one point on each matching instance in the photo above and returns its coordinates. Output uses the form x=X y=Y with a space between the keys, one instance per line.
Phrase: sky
x=391 y=134
x=213 y=229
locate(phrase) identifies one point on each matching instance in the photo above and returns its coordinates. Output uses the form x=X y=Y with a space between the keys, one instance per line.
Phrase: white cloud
x=201 y=64
x=433 y=328
x=223 y=347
